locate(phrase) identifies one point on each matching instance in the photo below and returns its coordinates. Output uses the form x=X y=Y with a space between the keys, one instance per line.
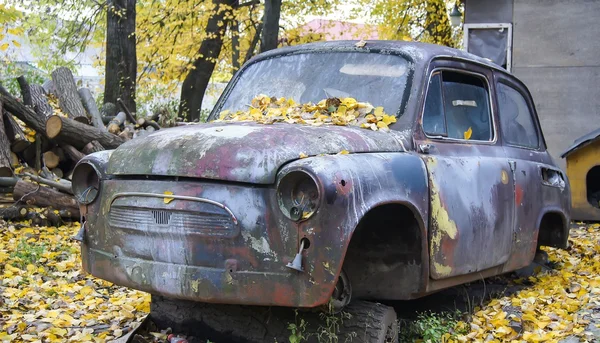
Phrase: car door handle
x=425 y=148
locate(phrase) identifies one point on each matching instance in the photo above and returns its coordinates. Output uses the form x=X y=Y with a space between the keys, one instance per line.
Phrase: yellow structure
x=583 y=170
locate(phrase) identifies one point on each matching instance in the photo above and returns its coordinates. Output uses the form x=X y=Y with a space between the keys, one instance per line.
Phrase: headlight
x=298 y=195
x=85 y=183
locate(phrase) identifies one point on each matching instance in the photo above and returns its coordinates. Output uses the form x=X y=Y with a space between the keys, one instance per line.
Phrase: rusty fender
x=351 y=186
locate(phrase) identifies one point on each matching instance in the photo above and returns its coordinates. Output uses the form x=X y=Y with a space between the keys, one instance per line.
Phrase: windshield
x=310 y=77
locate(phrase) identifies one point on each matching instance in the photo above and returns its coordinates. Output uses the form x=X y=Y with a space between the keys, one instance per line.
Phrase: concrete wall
x=556 y=52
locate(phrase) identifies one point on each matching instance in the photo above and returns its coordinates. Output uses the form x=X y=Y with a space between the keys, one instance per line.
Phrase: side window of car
x=518 y=127
x=463 y=99
x=434 y=123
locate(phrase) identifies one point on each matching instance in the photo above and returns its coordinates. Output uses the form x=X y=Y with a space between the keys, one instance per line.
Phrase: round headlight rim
x=78 y=191
x=280 y=203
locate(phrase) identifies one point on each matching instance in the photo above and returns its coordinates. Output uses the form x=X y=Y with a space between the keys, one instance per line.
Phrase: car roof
x=420 y=53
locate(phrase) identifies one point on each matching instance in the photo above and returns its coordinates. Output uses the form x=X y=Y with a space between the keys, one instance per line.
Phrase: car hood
x=241 y=152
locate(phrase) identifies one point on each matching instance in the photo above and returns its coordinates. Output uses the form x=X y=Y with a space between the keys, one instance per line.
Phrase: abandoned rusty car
x=294 y=214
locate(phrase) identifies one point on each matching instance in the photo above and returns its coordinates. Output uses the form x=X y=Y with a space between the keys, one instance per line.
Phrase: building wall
x=556 y=52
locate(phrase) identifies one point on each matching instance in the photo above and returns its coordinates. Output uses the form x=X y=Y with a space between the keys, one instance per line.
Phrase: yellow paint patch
x=442 y=226
x=194 y=284
x=441 y=269
x=504 y=177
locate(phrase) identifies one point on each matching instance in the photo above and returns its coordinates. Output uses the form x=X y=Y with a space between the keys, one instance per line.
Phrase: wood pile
x=42 y=137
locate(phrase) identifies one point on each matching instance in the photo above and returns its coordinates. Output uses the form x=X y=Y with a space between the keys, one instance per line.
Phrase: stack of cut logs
x=42 y=137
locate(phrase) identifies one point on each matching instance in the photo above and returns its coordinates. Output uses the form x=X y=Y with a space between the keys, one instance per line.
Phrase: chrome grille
x=215 y=222
x=161 y=217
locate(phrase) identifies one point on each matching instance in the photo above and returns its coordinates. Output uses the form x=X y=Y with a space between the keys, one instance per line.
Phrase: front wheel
x=369 y=322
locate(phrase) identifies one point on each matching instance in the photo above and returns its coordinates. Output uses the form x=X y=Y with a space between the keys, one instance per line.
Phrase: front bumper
x=182 y=255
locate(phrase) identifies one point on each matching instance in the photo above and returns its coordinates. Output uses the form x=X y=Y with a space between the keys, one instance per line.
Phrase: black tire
x=359 y=322
x=369 y=322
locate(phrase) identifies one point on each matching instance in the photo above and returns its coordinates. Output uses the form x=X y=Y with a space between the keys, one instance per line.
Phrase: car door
x=471 y=191
x=525 y=150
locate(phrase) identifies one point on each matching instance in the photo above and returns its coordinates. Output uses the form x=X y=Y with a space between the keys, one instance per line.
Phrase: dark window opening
x=592 y=185
x=518 y=127
x=457 y=106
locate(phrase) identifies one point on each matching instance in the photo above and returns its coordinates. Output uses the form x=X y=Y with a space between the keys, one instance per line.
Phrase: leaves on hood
x=331 y=111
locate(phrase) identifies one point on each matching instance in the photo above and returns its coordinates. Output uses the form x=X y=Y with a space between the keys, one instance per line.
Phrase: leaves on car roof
x=331 y=111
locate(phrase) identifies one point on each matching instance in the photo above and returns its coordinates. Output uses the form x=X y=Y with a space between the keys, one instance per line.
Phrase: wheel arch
x=370 y=252
x=553 y=228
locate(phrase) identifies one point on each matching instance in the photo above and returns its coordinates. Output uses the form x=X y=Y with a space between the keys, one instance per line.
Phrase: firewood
x=58 y=172
x=114 y=126
x=13 y=212
x=41 y=106
x=8 y=181
x=25 y=92
x=50 y=159
x=74 y=154
x=130 y=116
x=35 y=194
x=68 y=98
x=16 y=136
x=5 y=160
x=26 y=114
x=126 y=134
x=90 y=105
x=145 y=123
x=65 y=130
x=14 y=160
x=61 y=185
x=54 y=218
x=92 y=147
x=49 y=87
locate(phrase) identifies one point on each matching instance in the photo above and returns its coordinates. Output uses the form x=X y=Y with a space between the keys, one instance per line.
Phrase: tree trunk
x=34 y=194
x=253 y=43
x=16 y=136
x=121 y=59
x=270 y=31
x=5 y=165
x=235 y=45
x=65 y=130
x=68 y=98
x=90 y=106
x=196 y=81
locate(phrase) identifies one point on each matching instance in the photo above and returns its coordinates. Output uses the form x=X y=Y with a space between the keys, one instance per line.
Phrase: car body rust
x=196 y=213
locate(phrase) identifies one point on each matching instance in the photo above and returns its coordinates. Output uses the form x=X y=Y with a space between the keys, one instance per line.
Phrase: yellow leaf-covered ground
x=559 y=304
x=47 y=298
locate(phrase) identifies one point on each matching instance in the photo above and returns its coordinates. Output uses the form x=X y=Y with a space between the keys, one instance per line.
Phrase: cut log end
x=53 y=126
x=51 y=159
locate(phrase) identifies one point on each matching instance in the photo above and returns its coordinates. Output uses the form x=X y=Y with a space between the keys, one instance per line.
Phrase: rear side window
x=457 y=106
x=518 y=127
